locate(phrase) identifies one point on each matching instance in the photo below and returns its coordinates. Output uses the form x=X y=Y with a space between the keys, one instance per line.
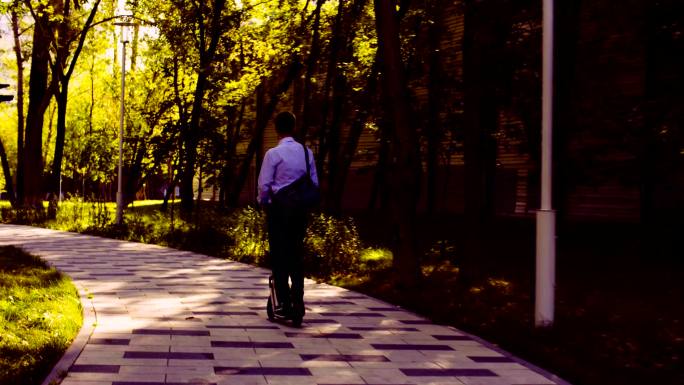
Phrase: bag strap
x=306 y=160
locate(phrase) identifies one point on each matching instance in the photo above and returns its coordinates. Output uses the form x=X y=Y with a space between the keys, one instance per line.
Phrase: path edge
x=543 y=372
x=90 y=319
x=61 y=368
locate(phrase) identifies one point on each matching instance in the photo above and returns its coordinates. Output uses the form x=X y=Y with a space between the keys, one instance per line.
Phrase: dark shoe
x=277 y=313
x=298 y=311
x=282 y=313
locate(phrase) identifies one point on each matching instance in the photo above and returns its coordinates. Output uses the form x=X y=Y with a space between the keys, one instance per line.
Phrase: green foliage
x=40 y=314
x=78 y=215
x=249 y=236
x=332 y=246
x=22 y=216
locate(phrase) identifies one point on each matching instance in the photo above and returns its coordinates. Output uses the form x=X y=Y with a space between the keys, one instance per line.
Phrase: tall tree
x=208 y=36
x=435 y=99
x=486 y=28
x=405 y=162
x=15 y=11
x=311 y=65
x=348 y=151
x=40 y=93
x=337 y=79
x=62 y=70
x=9 y=186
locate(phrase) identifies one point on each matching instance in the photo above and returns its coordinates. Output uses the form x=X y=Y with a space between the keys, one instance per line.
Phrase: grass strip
x=40 y=314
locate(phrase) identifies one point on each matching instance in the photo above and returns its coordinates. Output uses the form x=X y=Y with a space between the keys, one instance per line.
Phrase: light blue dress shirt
x=283 y=164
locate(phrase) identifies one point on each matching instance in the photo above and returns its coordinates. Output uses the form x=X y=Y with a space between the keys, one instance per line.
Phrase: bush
x=79 y=215
x=23 y=216
x=332 y=246
x=247 y=231
x=373 y=259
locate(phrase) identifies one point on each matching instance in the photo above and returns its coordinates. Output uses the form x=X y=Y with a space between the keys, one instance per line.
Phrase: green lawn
x=40 y=314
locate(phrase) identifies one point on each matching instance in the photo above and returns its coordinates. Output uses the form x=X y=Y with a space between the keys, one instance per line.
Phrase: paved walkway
x=168 y=316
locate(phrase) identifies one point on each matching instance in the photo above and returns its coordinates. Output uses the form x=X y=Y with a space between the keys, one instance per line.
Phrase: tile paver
x=166 y=316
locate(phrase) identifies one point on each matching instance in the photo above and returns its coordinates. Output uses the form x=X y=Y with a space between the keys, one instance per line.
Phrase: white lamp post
x=546 y=216
x=119 y=192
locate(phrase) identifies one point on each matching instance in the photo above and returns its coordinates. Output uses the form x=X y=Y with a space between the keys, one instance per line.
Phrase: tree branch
x=81 y=40
x=108 y=19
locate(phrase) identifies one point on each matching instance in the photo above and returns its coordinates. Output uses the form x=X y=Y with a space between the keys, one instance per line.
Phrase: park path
x=158 y=316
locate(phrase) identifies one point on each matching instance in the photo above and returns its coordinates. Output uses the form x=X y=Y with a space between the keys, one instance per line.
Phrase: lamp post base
x=546 y=268
x=119 y=208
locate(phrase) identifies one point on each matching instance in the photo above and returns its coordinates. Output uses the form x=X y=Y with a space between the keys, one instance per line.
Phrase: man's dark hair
x=285 y=123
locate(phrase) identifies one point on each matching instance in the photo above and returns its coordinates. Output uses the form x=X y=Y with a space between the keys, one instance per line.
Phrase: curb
x=532 y=367
x=60 y=369
x=548 y=375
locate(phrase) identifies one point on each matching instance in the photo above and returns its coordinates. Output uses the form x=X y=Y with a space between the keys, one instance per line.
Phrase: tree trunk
x=349 y=150
x=190 y=140
x=39 y=98
x=482 y=43
x=405 y=165
x=232 y=139
x=134 y=180
x=335 y=46
x=342 y=46
x=339 y=160
x=311 y=62
x=381 y=182
x=63 y=74
x=91 y=108
x=20 y=105
x=191 y=135
x=334 y=138
x=435 y=96
x=61 y=98
x=200 y=191
x=8 y=174
x=260 y=112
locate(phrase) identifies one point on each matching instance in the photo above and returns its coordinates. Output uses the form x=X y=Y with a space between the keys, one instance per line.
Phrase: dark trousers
x=286 y=231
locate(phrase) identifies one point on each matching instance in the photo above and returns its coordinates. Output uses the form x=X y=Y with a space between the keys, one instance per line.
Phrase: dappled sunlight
x=155 y=306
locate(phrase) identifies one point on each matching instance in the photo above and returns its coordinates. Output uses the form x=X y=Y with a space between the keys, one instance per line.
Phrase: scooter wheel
x=269 y=310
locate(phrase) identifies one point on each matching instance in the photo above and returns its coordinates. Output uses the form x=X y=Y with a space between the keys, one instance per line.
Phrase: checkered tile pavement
x=165 y=316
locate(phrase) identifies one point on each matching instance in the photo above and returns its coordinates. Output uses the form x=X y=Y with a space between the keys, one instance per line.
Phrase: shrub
x=372 y=259
x=332 y=246
x=247 y=230
x=79 y=215
x=23 y=216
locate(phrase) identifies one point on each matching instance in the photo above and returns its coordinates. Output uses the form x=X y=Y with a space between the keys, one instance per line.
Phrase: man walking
x=283 y=165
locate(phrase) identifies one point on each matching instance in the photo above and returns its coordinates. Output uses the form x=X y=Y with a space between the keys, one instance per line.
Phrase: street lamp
x=125 y=24
x=546 y=216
